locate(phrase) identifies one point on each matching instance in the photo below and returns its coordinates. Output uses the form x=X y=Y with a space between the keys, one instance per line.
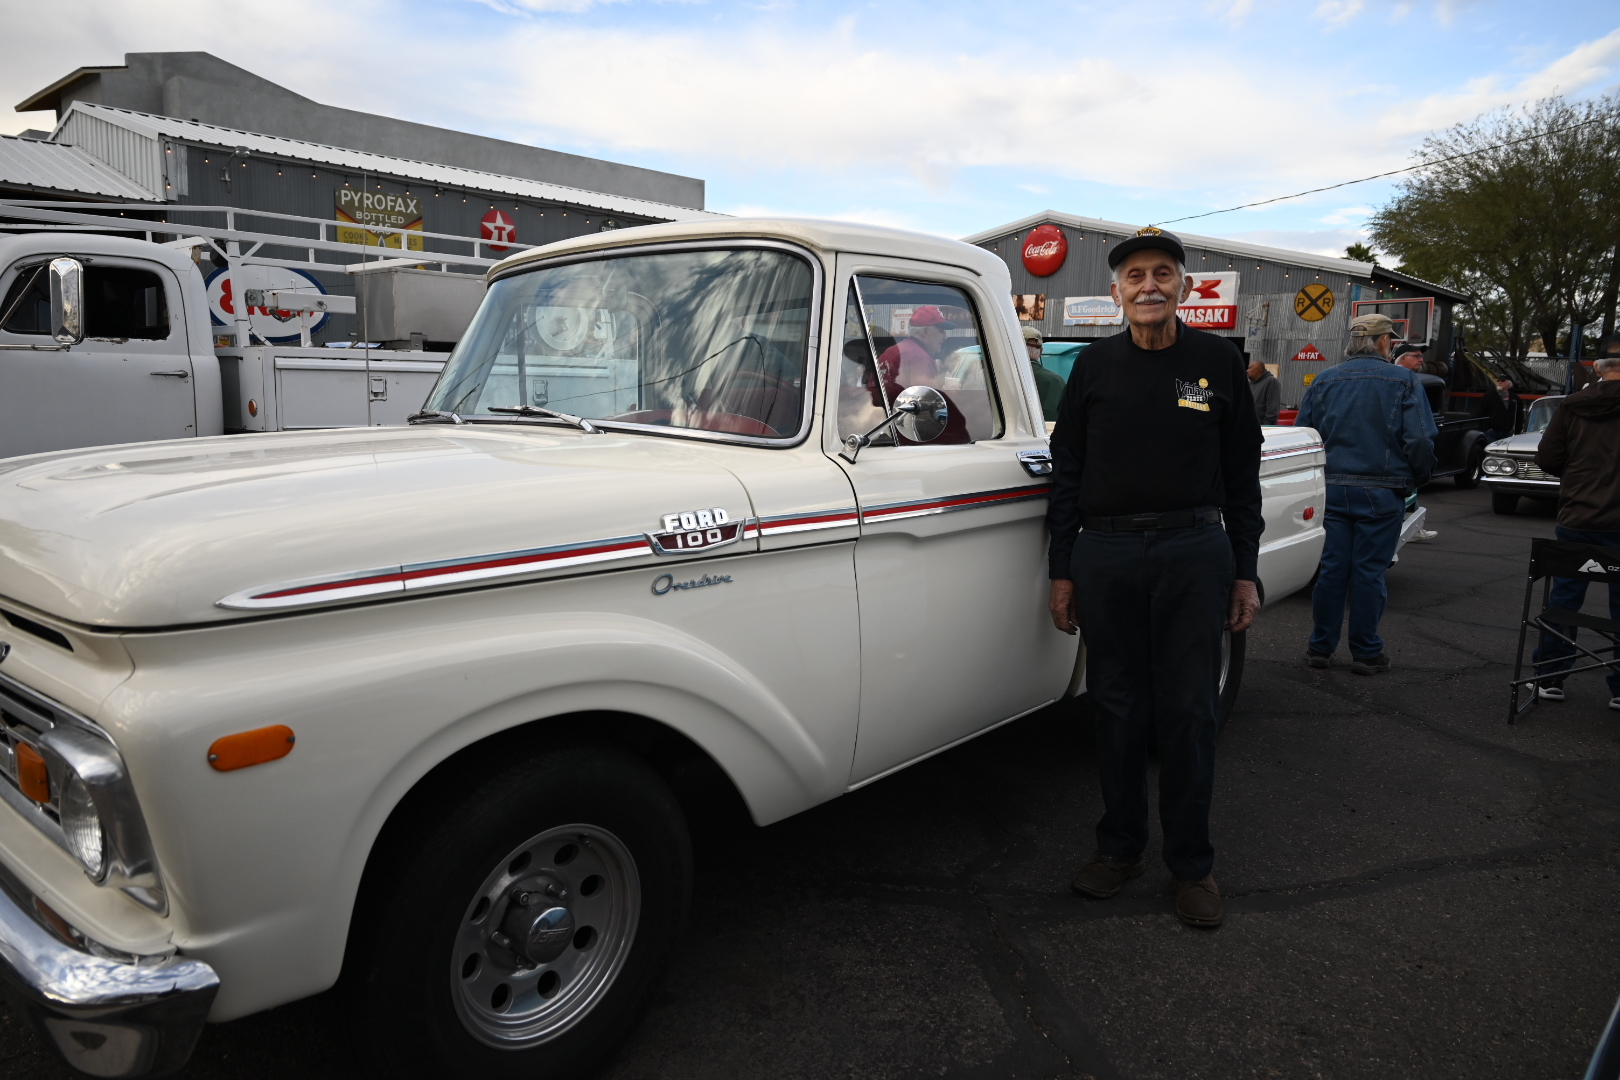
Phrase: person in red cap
x=914 y=359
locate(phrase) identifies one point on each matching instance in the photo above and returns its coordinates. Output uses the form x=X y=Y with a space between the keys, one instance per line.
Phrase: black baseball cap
x=1150 y=237
x=1403 y=348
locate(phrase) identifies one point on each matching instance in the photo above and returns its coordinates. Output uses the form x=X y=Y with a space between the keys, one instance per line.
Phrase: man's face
x=1148 y=288
x=1410 y=361
x=1034 y=349
x=929 y=337
x=1256 y=370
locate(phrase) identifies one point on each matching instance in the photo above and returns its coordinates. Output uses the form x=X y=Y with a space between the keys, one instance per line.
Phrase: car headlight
x=1497 y=466
x=81 y=824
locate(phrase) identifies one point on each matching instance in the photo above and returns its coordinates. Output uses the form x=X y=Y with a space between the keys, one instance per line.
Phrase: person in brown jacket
x=1581 y=447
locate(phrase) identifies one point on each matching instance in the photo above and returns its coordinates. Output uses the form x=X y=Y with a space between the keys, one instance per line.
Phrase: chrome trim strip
x=412 y=576
x=783 y=524
x=813 y=331
x=1292 y=451
x=971 y=501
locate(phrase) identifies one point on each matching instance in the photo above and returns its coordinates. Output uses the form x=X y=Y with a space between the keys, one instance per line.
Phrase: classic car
x=410 y=706
x=1510 y=469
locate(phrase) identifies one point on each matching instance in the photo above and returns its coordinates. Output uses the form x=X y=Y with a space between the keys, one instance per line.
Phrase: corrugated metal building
x=30 y=168
x=1288 y=309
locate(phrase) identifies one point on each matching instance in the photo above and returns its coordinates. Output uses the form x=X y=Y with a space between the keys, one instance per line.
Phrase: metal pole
x=1574 y=357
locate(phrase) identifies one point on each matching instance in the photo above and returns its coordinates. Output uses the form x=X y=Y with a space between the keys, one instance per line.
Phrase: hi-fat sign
x=1212 y=304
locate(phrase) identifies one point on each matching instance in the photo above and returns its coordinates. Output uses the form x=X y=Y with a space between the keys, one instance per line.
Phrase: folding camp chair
x=1583 y=562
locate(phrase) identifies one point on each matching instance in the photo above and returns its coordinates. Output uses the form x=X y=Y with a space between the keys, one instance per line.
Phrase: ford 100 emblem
x=696 y=530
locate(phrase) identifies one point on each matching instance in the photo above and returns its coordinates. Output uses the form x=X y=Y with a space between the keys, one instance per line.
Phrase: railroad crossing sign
x=1314 y=302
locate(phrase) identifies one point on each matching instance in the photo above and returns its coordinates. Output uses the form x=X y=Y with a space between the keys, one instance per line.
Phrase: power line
x=1393 y=172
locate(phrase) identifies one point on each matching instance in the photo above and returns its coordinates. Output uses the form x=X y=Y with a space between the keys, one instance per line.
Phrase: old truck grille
x=22 y=720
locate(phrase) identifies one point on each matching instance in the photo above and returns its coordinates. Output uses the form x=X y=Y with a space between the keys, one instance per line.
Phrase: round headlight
x=82 y=825
x=1498 y=466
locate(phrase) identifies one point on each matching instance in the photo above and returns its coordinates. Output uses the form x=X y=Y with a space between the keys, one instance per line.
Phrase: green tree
x=1359 y=252
x=1520 y=209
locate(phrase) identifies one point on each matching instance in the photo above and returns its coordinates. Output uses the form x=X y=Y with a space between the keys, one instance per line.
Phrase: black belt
x=1170 y=519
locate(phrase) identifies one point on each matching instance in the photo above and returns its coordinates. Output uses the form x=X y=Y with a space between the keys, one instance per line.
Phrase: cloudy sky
x=944 y=116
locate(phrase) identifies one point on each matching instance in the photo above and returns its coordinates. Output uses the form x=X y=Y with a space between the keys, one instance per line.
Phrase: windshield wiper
x=434 y=416
x=535 y=410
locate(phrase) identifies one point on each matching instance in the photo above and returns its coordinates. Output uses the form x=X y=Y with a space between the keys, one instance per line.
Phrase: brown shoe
x=1198 y=903
x=1104 y=875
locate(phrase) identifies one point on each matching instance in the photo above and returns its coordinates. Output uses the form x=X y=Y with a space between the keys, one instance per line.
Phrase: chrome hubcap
x=544 y=936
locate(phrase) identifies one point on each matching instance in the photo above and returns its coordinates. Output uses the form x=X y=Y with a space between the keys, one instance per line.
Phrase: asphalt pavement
x=1414 y=888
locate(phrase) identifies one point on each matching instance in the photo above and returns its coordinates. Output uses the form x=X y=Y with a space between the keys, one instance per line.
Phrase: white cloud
x=1346 y=215
x=1337 y=13
x=1590 y=64
x=1330 y=242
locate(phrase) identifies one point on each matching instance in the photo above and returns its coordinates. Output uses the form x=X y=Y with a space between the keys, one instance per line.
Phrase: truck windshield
x=715 y=341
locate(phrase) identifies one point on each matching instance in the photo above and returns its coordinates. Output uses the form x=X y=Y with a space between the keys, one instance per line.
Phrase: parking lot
x=1415 y=889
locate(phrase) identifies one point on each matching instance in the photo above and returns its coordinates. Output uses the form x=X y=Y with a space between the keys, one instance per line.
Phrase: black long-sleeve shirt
x=1143 y=431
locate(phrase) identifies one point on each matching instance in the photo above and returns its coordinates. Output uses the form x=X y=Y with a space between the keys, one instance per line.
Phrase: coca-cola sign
x=1045 y=248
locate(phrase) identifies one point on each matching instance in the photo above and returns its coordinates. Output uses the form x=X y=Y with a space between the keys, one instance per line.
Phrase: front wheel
x=1233 y=647
x=1504 y=502
x=525 y=933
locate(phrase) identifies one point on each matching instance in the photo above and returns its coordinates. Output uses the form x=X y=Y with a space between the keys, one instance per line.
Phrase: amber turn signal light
x=251 y=747
x=32 y=776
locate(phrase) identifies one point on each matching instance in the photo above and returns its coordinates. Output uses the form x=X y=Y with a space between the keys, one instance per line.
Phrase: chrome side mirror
x=920 y=415
x=924 y=412
x=67 y=301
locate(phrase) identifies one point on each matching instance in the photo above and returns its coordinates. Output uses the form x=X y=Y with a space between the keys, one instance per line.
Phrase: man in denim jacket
x=1379 y=434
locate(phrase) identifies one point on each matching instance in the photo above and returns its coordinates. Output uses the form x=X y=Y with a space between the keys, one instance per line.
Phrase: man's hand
x=1061 y=605
x=1240 y=615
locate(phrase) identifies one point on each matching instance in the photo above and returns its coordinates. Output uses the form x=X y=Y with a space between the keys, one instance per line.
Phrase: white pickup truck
x=108 y=339
x=406 y=705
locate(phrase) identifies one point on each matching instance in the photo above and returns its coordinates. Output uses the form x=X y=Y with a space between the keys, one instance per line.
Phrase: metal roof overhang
x=155 y=127
x=57 y=169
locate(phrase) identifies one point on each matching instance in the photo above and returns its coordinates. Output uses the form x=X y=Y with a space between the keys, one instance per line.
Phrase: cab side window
x=900 y=333
x=27 y=306
x=123 y=302
x=119 y=302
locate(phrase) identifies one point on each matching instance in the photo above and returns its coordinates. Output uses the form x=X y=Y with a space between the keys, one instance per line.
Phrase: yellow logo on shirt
x=1194 y=395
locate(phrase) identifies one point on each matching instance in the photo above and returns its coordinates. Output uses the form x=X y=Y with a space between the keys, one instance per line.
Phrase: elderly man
x=1156 y=447
x=1582 y=448
x=1267 y=392
x=1048 y=384
x=1379 y=432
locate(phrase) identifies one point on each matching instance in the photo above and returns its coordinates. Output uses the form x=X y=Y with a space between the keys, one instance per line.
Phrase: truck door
x=950 y=566
x=129 y=380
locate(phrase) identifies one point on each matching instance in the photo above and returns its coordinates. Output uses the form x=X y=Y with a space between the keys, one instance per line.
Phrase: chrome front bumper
x=106 y=1014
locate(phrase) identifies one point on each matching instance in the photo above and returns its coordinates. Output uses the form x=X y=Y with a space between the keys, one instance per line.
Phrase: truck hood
x=159 y=534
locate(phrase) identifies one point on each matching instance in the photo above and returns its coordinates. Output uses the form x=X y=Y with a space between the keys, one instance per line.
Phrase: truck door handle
x=173 y=374
x=1036 y=462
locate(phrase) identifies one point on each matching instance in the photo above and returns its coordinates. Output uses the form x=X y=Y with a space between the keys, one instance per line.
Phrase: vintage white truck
x=406 y=705
x=108 y=338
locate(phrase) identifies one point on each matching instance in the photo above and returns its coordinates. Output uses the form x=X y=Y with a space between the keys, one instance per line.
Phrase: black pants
x=1152 y=605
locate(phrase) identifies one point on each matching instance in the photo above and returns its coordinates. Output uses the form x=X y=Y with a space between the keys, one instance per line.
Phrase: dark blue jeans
x=1152 y=605
x=1570 y=593
x=1363 y=526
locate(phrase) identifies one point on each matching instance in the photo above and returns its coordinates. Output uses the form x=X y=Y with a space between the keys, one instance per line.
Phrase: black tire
x=406 y=977
x=1233 y=678
x=1504 y=502
x=1470 y=477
